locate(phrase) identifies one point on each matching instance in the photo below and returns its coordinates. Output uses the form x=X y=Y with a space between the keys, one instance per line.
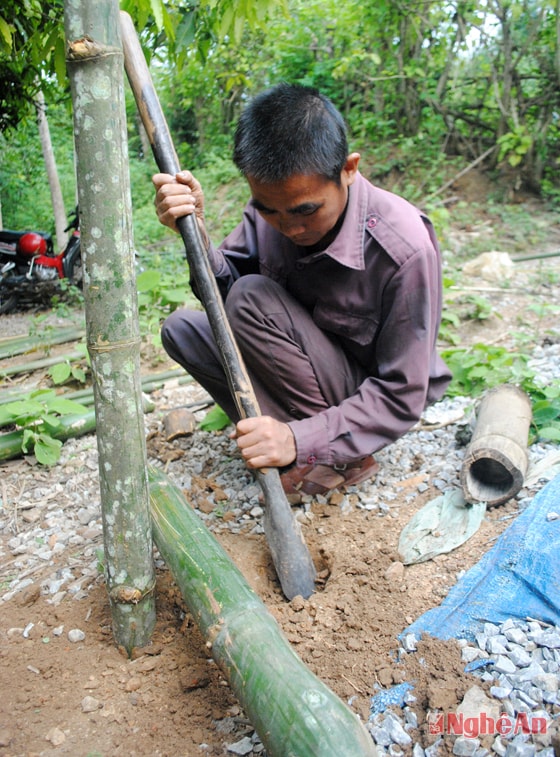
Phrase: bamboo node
x=130 y=595
x=87 y=48
x=101 y=347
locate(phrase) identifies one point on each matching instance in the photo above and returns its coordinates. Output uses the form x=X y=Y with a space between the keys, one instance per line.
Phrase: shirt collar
x=347 y=248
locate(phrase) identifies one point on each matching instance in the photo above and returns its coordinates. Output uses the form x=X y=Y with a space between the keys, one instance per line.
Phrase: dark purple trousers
x=296 y=369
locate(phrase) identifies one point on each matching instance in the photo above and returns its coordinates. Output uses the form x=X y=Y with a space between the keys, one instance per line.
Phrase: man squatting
x=333 y=290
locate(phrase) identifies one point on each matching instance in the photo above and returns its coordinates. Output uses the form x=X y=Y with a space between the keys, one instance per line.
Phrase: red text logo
x=456 y=724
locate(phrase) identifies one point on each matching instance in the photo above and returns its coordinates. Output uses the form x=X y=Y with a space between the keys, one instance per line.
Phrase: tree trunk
x=95 y=65
x=59 y=212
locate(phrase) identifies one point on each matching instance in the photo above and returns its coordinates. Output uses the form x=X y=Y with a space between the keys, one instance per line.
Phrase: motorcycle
x=29 y=267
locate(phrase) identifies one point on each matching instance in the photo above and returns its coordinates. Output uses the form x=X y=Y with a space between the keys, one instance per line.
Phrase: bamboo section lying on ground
x=70 y=426
x=149 y=383
x=294 y=713
x=496 y=461
x=16 y=345
x=36 y=365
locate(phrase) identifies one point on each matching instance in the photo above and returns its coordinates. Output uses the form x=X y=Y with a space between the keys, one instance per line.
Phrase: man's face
x=304 y=208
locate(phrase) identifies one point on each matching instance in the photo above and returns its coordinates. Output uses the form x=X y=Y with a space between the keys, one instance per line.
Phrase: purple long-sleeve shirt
x=377 y=288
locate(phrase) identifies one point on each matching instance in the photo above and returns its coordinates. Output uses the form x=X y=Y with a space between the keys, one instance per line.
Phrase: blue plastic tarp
x=518 y=578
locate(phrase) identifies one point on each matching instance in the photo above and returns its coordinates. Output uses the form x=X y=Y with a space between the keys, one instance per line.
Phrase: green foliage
x=483 y=367
x=31 y=41
x=66 y=371
x=215 y=420
x=162 y=290
x=546 y=412
x=450 y=323
x=24 y=191
x=100 y=557
x=38 y=414
x=479 y=308
x=515 y=145
x=415 y=87
x=469 y=306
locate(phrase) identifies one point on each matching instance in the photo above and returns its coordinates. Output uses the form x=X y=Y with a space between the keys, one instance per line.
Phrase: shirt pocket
x=360 y=328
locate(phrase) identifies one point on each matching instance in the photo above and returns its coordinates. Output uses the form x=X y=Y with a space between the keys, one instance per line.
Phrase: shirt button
x=299 y=266
x=311 y=460
x=372 y=223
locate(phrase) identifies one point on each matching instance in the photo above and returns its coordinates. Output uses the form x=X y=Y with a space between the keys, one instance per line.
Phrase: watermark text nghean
x=456 y=724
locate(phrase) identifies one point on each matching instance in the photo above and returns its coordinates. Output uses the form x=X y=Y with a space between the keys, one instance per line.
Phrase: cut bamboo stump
x=496 y=459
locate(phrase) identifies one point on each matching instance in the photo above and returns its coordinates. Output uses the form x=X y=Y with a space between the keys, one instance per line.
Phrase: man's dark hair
x=290 y=129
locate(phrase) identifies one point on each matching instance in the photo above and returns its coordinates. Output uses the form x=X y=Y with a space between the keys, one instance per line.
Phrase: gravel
x=521 y=660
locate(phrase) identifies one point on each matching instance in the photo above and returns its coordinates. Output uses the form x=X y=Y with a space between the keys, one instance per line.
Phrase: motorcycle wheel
x=8 y=301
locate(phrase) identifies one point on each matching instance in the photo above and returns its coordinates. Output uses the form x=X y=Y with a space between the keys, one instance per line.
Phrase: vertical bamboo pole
x=95 y=66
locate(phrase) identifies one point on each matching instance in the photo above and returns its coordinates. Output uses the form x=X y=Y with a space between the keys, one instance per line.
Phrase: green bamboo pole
x=70 y=426
x=36 y=365
x=293 y=711
x=16 y=345
x=95 y=66
x=150 y=382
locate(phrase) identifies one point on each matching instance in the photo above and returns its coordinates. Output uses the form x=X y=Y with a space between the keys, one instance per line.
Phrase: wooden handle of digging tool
x=168 y=162
x=290 y=555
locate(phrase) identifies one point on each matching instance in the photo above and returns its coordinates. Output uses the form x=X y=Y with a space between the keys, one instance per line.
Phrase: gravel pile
x=520 y=661
x=43 y=521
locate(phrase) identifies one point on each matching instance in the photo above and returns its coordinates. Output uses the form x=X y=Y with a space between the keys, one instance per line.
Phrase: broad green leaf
x=186 y=31
x=50 y=423
x=47 y=449
x=226 y=21
x=550 y=432
x=60 y=372
x=148 y=280
x=6 y=32
x=157 y=12
x=215 y=420
x=28 y=440
x=544 y=412
x=238 y=26
x=6 y=415
x=552 y=392
x=20 y=410
x=60 y=60
x=63 y=406
x=79 y=374
x=42 y=394
x=174 y=295
x=451 y=317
